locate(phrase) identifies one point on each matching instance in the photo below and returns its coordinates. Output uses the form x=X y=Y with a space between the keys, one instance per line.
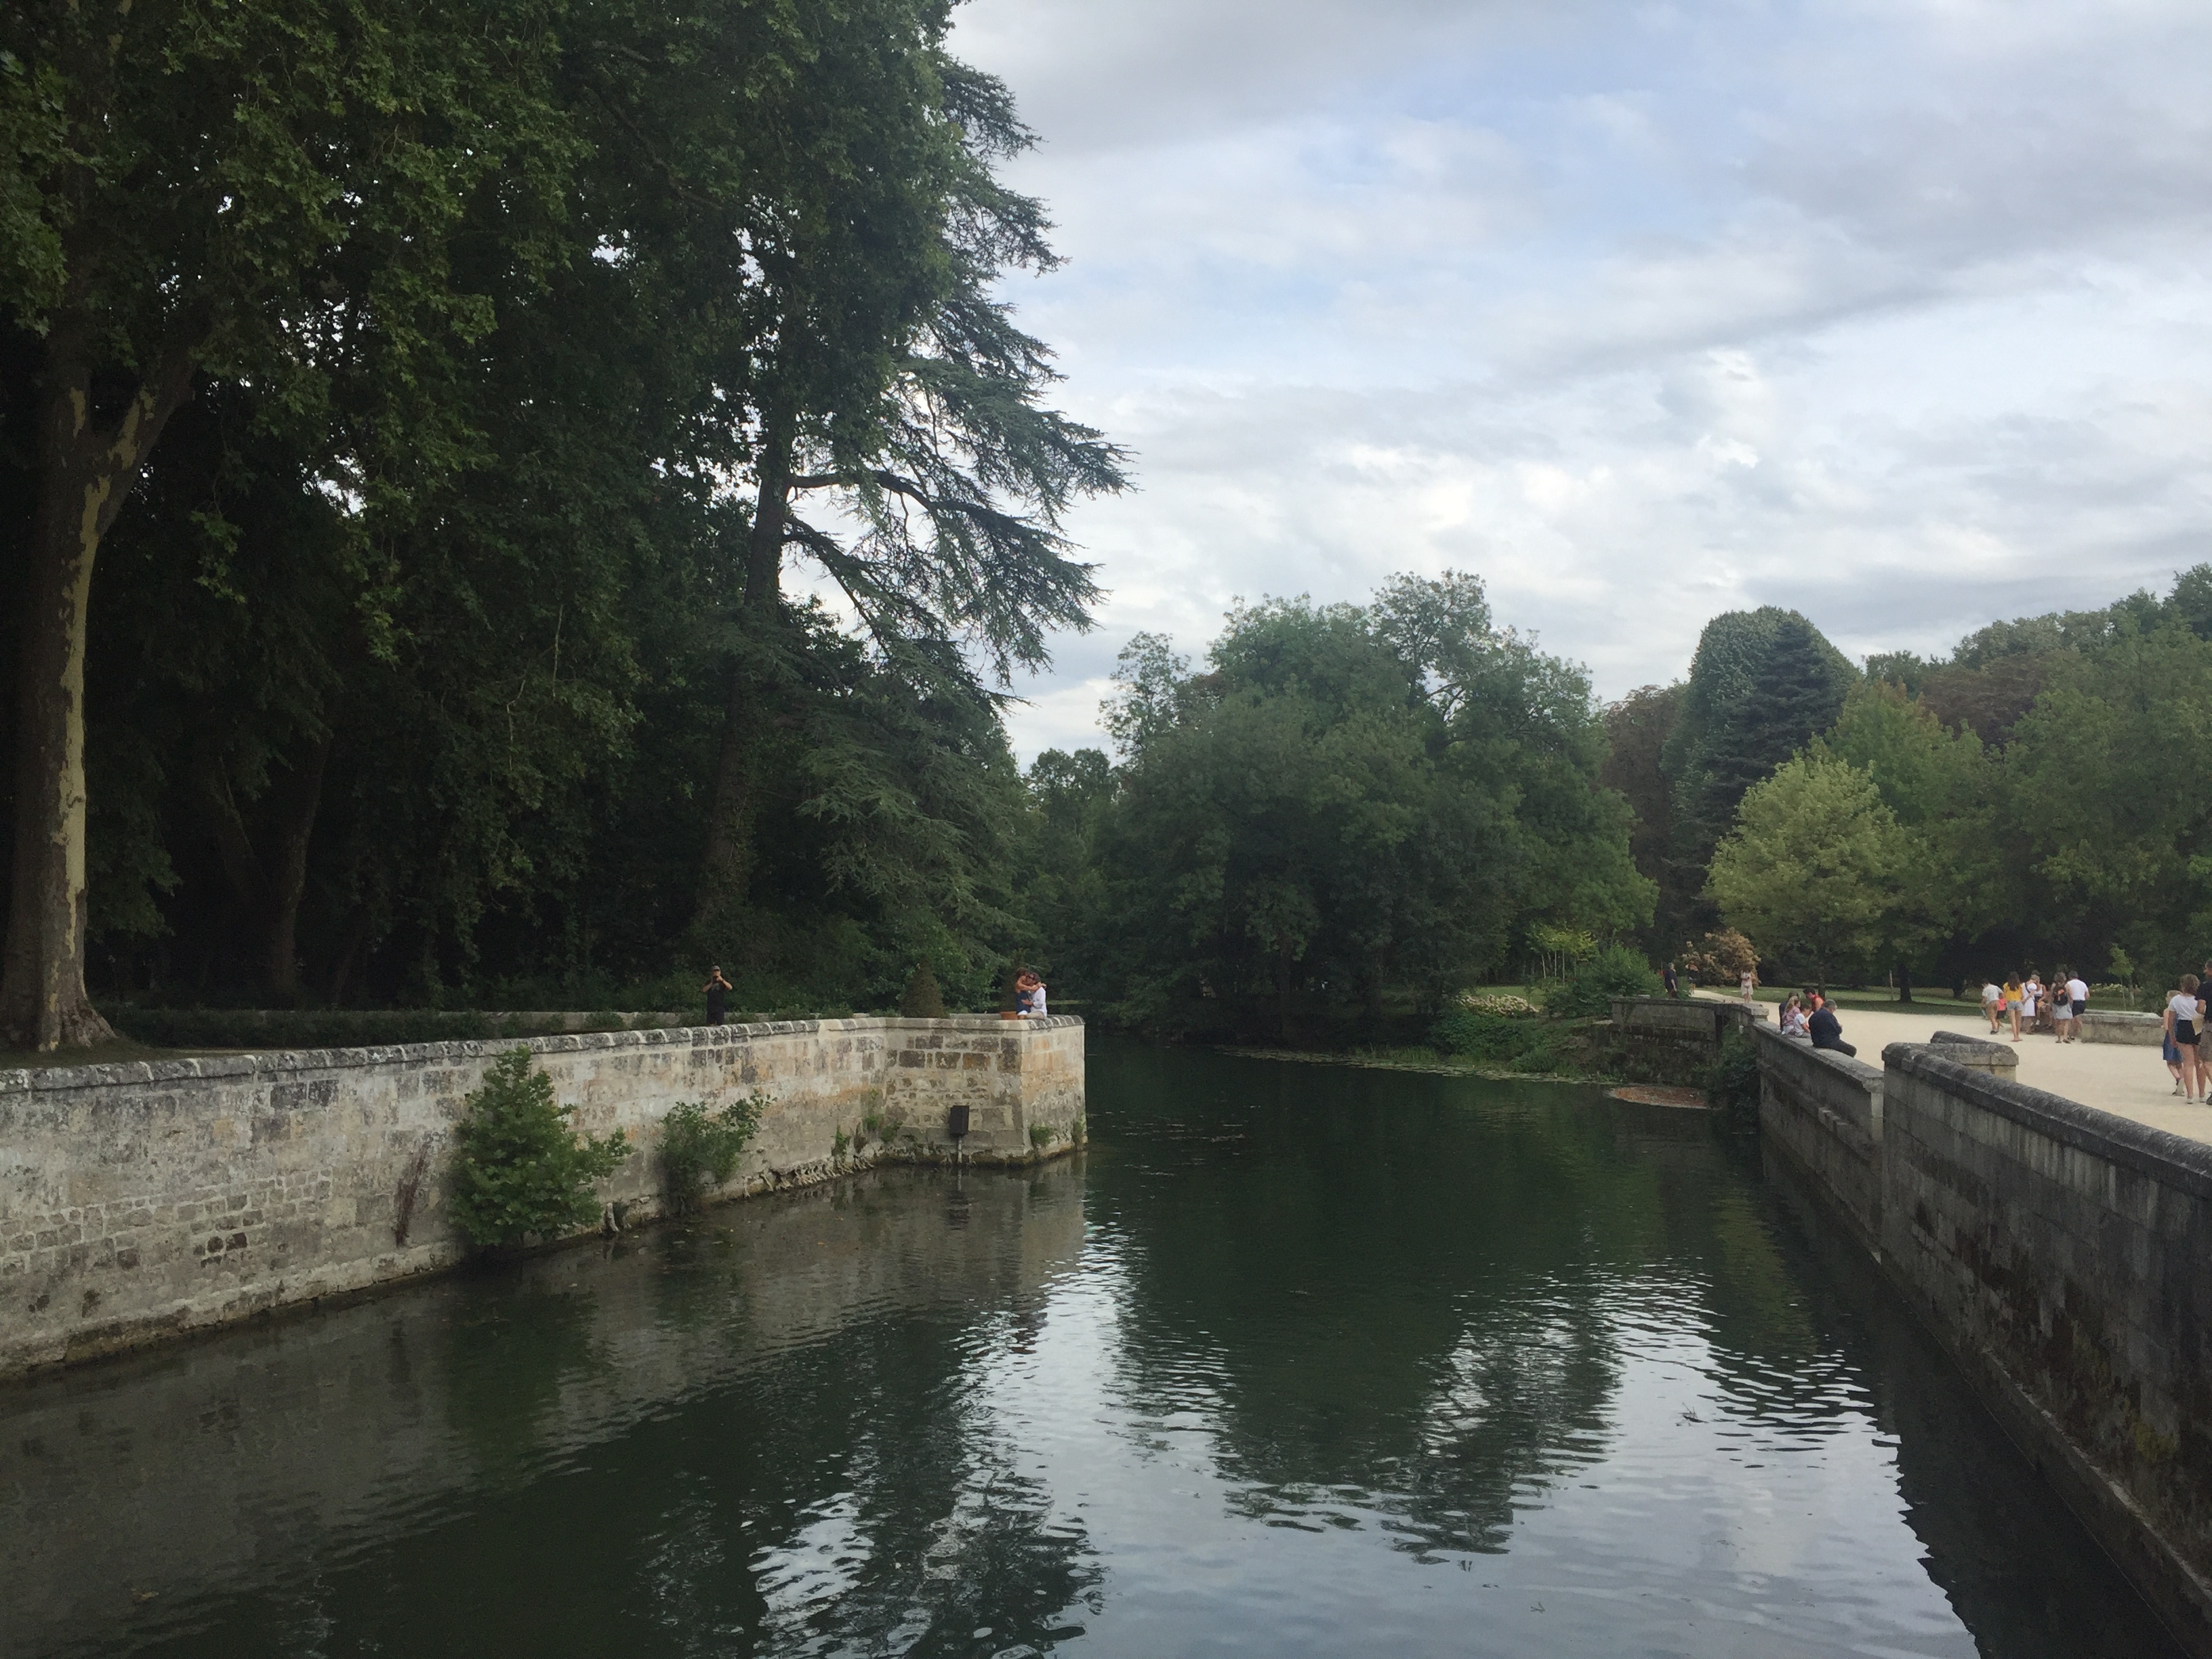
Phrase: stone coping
x=1849 y=1066
x=2171 y=1158
x=279 y=1061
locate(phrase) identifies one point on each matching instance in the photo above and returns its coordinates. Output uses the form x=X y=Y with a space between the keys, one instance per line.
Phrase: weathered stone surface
x=2062 y=1253
x=2138 y=1031
x=142 y=1199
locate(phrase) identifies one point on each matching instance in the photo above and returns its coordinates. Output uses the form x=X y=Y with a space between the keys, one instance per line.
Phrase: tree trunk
x=1904 y=981
x=85 y=471
x=270 y=890
x=726 y=872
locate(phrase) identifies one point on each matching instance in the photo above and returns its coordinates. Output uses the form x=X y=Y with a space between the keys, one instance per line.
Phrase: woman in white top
x=2182 y=1013
x=2031 y=1000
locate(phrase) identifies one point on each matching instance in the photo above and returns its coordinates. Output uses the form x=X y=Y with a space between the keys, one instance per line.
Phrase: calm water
x=1294 y=1361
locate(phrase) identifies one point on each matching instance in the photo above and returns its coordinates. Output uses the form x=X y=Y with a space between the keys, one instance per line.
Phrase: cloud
x=1896 y=314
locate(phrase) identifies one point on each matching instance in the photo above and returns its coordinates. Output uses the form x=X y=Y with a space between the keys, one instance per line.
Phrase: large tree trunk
x=270 y=890
x=727 y=869
x=85 y=470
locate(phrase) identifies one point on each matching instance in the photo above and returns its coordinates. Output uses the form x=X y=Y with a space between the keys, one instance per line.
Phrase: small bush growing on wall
x=518 y=1167
x=1732 y=1081
x=700 y=1149
x=1042 y=1135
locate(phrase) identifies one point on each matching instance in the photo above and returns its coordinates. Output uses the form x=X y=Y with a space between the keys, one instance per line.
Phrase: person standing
x=2204 y=1027
x=2182 y=1014
x=1992 y=1004
x=2012 y=1000
x=718 y=998
x=1748 y=982
x=2031 y=1000
x=1674 y=984
x=2077 y=1004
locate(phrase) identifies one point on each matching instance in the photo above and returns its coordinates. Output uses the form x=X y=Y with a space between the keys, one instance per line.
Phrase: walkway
x=2132 y=1083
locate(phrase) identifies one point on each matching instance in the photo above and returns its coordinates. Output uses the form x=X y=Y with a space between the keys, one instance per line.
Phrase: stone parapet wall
x=2062 y=1254
x=2137 y=1031
x=1823 y=1111
x=143 y=1199
x=1676 y=1038
x=2065 y=1255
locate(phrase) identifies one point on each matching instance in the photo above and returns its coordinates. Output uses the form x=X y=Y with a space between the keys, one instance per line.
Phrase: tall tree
x=1762 y=684
x=1637 y=729
x=1814 y=865
x=254 y=189
x=898 y=402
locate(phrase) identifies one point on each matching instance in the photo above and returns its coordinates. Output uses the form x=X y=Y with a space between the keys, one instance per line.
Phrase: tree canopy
x=1346 y=800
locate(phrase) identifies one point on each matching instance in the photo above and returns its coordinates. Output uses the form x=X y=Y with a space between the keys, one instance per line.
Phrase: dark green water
x=1294 y=1361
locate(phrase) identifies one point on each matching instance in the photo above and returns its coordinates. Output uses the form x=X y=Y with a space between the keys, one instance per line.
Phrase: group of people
x=2026 y=1003
x=1810 y=1015
x=1029 y=996
x=2188 y=1036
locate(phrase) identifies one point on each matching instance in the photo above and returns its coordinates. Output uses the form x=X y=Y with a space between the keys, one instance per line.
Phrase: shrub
x=518 y=1167
x=1723 y=958
x=700 y=1149
x=1042 y=1135
x=1615 y=971
x=1501 y=1003
x=922 y=1000
x=1732 y=1080
x=1509 y=1042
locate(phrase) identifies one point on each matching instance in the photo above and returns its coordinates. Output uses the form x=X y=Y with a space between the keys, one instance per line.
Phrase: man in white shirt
x=1993 y=1005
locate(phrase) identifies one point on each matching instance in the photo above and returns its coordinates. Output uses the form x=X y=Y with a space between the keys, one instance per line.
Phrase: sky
x=1897 y=314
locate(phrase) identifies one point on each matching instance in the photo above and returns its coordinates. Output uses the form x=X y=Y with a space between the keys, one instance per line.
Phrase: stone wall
x=2137 y=1031
x=144 y=1200
x=2062 y=1254
x=1664 y=1038
x=1823 y=1111
x=2066 y=1255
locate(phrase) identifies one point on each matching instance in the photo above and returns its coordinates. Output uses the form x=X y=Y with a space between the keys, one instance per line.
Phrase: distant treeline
x=2040 y=795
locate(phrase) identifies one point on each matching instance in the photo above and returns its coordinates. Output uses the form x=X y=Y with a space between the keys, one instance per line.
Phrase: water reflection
x=1296 y=1361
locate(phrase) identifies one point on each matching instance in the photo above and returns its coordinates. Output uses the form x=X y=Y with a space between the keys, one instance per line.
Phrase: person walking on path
x=2012 y=1000
x=718 y=998
x=2183 y=1015
x=1992 y=1004
x=2204 y=1027
x=1673 y=985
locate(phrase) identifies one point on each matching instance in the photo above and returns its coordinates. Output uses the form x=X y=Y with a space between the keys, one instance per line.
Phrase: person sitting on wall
x=1793 y=1016
x=1825 y=1028
x=1029 y=996
x=718 y=998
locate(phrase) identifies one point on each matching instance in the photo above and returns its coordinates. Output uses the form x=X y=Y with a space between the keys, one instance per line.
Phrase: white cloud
x=1898 y=314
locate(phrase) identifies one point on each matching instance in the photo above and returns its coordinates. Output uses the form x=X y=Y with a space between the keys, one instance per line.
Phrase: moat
x=1291 y=1361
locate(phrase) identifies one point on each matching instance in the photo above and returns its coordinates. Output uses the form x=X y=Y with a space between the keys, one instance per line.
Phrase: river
x=1292 y=1360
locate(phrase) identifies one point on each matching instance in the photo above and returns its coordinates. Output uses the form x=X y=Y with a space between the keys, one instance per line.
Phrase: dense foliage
x=458 y=388
x=700 y=1148
x=1348 y=804
x=2027 y=800
x=518 y=1166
